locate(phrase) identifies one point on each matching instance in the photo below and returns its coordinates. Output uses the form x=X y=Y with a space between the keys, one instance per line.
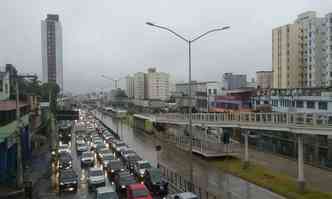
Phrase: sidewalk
x=318 y=178
x=38 y=167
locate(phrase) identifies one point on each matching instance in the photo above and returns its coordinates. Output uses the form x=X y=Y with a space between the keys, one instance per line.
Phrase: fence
x=319 y=120
x=203 y=146
x=180 y=184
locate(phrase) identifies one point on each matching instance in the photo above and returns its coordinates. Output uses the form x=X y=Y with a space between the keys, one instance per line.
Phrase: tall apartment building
x=130 y=86
x=287 y=56
x=51 y=40
x=140 y=90
x=307 y=46
x=158 y=85
x=233 y=81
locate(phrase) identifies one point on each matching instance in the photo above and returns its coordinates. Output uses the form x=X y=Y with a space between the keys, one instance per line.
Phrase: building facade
x=158 y=85
x=140 y=85
x=4 y=84
x=287 y=56
x=302 y=52
x=51 y=40
x=234 y=81
x=264 y=79
x=130 y=86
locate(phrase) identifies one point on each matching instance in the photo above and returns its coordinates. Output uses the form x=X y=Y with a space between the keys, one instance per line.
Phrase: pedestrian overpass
x=297 y=123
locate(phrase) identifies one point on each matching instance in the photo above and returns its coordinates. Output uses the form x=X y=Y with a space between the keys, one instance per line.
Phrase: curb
x=13 y=194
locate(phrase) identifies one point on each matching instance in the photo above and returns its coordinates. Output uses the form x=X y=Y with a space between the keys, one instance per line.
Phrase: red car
x=138 y=191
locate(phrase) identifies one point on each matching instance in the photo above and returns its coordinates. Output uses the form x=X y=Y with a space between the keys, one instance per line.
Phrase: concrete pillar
x=329 y=151
x=316 y=150
x=300 y=178
x=246 y=150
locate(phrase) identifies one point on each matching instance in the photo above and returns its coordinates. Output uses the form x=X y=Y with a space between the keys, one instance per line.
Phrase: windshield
x=140 y=193
x=116 y=165
x=108 y=156
x=109 y=195
x=87 y=155
x=126 y=180
x=155 y=175
x=96 y=173
x=144 y=165
x=121 y=144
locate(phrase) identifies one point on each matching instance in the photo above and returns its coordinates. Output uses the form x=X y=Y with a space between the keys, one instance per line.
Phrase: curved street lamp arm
x=171 y=31
x=208 y=32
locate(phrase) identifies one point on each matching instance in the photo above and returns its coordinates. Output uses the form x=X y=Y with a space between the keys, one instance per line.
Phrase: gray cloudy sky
x=110 y=36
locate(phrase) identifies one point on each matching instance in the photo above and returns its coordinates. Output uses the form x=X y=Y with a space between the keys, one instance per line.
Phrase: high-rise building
x=287 y=56
x=233 y=81
x=130 y=86
x=328 y=49
x=158 y=85
x=51 y=40
x=264 y=79
x=313 y=38
x=140 y=85
x=304 y=53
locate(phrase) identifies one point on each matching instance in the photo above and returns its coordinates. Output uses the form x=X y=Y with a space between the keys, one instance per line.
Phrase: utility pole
x=19 y=167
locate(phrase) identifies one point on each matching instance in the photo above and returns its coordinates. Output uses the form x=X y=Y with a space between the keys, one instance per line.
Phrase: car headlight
x=53 y=152
x=61 y=183
x=123 y=186
x=122 y=169
x=112 y=170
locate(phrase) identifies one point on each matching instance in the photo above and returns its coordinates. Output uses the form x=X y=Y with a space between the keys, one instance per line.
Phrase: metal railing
x=283 y=119
x=199 y=145
x=181 y=184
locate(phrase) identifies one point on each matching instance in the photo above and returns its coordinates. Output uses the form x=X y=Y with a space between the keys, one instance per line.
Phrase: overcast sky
x=110 y=36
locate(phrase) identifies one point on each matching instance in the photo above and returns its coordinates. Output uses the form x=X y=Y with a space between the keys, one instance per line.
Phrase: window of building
x=215 y=91
x=299 y=104
x=322 y=105
x=311 y=104
x=6 y=88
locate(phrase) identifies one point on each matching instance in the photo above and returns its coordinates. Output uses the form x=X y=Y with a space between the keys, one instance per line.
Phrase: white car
x=87 y=159
x=96 y=178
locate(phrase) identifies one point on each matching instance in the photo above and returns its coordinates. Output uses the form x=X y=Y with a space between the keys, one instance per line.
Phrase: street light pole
x=19 y=167
x=189 y=42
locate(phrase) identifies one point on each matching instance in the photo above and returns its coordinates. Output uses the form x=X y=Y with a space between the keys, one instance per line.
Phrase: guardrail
x=296 y=119
x=181 y=184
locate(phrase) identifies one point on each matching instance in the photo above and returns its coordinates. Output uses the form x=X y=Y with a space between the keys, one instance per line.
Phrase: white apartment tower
x=139 y=85
x=130 y=86
x=51 y=40
x=158 y=85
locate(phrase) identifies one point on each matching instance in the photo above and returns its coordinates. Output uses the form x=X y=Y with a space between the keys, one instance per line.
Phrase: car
x=125 y=152
x=118 y=143
x=184 y=195
x=82 y=148
x=155 y=182
x=140 y=167
x=131 y=161
x=99 y=146
x=106 y=158
x=101 y=151
x=120 y=150
x=114 y=167
x=65 y=160
x=68 y=180
x=122 y=180
x=96 y=178
x=138 y=191
x=106 y=193
x=64 y=148
x=87 y=159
